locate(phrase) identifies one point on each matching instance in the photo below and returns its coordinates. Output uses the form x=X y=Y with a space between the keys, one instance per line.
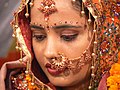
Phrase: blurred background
x=7 y=43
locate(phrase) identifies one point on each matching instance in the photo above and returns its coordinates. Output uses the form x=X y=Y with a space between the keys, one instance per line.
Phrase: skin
x=47 y=43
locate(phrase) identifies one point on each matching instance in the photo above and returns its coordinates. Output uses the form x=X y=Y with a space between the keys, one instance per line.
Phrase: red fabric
x=51 y=86
x=103 y=84
x=26 y=32
x=12 y=56
x=25 y=29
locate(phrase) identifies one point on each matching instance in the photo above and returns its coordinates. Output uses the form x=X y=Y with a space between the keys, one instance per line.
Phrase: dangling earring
x=27 y=13
x=94 y=61
x=82 y=10
x=89 y=25
x=15 y=27
x=31 y=3
x=21 y=56
x=89 y=19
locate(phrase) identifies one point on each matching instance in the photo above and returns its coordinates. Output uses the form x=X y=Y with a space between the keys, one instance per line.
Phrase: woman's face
x=68 y=35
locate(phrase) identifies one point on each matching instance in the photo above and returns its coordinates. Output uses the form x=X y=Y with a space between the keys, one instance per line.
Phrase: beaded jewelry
x=106 y=40
x=24 y=81
x=47 y=8
x=75 y=64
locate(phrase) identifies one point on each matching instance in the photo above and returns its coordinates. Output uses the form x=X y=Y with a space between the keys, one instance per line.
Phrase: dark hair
x=77 y=5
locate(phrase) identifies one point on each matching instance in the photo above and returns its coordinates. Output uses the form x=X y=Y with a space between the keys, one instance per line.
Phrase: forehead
x=65 y=12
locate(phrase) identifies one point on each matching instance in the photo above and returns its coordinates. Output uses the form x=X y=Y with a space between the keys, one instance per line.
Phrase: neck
x=79 y=86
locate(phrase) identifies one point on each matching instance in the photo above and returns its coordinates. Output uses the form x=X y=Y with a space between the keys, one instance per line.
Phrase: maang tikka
x=47 y=8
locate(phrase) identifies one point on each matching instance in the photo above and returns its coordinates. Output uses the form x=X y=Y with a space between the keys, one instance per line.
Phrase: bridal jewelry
x=47 y=8
x=106 y=39
x=75 y=65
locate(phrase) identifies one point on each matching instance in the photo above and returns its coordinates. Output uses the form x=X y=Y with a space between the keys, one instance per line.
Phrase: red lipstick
x=53 y=71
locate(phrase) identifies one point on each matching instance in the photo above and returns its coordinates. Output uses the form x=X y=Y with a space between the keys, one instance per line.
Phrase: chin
x=65 y=81
x=62 y=82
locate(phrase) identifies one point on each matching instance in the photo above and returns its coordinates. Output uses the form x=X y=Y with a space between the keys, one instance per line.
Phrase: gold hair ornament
x=107 y=36
x=47 y=8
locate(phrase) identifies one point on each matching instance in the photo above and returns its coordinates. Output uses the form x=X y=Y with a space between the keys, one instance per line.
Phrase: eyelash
x=39 y=37
x=69 y=37
x=66 y=38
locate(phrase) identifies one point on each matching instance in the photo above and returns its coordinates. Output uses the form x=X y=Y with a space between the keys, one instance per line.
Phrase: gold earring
x=31 y=3
x=27 y=13
x=94 y=61
x=82 y=10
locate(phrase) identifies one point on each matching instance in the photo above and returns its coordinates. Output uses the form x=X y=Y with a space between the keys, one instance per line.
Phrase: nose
x=50 y=50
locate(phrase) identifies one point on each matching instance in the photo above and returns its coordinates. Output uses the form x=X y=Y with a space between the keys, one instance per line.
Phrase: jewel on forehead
x=47 y=8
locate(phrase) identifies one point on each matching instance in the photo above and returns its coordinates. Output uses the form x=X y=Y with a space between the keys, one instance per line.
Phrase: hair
x=77 y=5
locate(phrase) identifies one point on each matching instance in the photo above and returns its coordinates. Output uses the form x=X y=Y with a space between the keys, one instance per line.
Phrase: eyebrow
x=55 y=27
x=37 y=27
x=66 y=26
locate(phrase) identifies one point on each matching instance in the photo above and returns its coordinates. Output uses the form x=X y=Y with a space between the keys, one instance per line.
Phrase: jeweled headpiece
x=47 y=8
x=107 y=20
x=106 y=30
x=108 y=23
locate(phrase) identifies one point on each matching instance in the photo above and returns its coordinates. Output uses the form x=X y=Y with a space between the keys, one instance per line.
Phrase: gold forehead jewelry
x=47 y=8
x=106 y=30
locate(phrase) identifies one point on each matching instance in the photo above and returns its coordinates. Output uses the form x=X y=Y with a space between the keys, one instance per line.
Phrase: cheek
x=37 y=51
x=76 y=48
x=83 y=74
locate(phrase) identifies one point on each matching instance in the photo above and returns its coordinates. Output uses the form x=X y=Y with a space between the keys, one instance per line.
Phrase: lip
x=52 y=71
